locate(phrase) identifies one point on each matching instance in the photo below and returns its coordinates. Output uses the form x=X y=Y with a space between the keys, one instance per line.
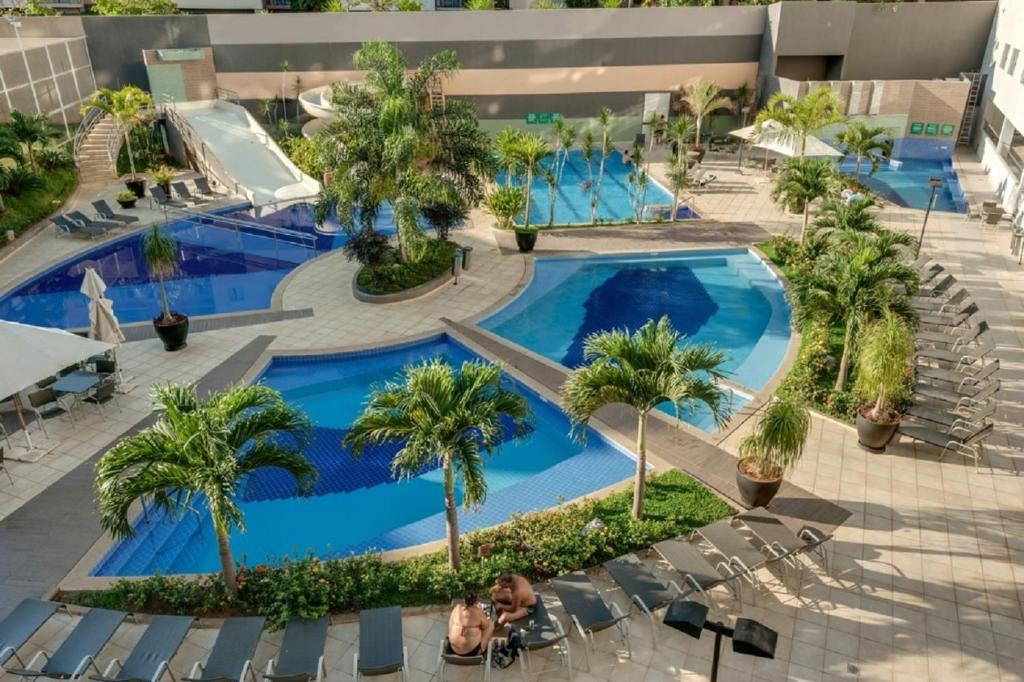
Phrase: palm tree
x=652 y=366
x=680 y=130
x=882 y=361
x=798 y=118
x=803 y=181
x=604 y=118
x=161 y=254
x=446 y=416
x=837 y=215
x=702 y=99
x=506 y=145
x=30 y=131
x=744 y=94
x=552 y=181
x=853 y=285
x=566 y=141
x=532 y=148
x=862 y=141
x=127 y=107
x=200 y=452
x=9 y=149
x=637 y=181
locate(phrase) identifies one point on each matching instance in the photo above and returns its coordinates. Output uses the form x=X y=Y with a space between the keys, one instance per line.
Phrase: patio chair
x=963 y=355
x=105 y=367
x=160 y=197
x=77 y=653
x=539 y=632
x=104 y=211
x=589 y=612
x=151 y=655
x=75 y=229
x=956 y=339
x=782 y=542
x=86 y=220
x=968 y=441
x=950 y=318
x=181 y=189
x=46 y=381
x=970 y=416
x=203 y=187
x=19 y=625
x=970 y=397
x=230 y=660
x=7 y=472
x=301 y=658
x=697 y=572
x=646 y=592
x=941 y=304
x=935 y=288
x=447 y=657
x=46 y=405
x=105 y=392
x=967 y=375
x=740 y=554
x=381 y=649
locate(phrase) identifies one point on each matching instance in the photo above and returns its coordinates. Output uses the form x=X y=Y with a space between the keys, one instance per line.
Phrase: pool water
x=572 y=202
x=357 y=505
x=905 y=183
x=728 y=298
x=223 y=267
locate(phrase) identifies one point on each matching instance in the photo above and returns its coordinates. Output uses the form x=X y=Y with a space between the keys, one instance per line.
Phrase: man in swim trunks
x=513 y=598
x=469 y=628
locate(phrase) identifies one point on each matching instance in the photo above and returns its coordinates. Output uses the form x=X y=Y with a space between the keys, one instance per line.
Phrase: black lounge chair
x=104 y=211
x=744 y=558
x=542 y=631
x=780 y=541
x=447 y=657
x=942 y=304
x=78 y=652
x=152 y=654
x=968 y=441
x=949 y=418
x=589 y=611
x=968 y=375
x=698 y=573
x=76 y=229
x=955 y=339
x=230 y=660
x=964 y=355
x=20 y=624
x=80 y=217
x=381 y=649
x=161 y=198
x=301 y=658
x=182 y=190
x=203 y=187
x=645 y=590
x=952 y=318
x=971 y=397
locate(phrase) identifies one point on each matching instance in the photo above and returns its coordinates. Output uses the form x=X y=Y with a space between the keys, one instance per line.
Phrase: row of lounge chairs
x=185 y=196
x=956 y=384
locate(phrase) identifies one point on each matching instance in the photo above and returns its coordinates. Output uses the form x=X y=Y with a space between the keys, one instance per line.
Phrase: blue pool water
x=356 y=505
x=729 y=298
x=572 y=202
x=905 y=183
x=221 y=270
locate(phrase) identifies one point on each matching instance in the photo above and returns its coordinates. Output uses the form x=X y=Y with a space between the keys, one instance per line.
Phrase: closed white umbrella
x=103 y=324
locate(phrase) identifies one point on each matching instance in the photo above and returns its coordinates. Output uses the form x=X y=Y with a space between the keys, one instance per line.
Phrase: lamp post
x=748 y=636
x=936 y=183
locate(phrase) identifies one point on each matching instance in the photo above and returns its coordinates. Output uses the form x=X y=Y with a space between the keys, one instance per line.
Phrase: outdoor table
x=77 y=383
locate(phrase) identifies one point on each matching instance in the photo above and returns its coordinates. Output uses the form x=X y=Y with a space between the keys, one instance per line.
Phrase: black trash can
x=467 y=251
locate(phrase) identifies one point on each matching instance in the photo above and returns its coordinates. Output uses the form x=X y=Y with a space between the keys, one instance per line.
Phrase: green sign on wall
x=931 y=129
x=542 y=118
x=948 y=129
x=916 y=128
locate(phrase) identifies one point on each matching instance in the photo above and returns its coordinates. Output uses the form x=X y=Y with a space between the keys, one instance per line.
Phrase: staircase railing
x=89 y=121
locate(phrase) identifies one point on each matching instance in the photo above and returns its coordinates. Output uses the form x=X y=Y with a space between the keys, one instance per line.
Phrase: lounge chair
x=80 y=217
x=181 y=189
x=76 y=229
x=957 y=339
x=969 y=397
x=780 y=541
x=697 y=572
x=161 y=198
x=230 y=660
x=931 y=305
x=78 y=652
x=104 y=211
x=947 y=419
x=447 y=657
x=19 y=625
x=589 y=612
x=539 y=632
x=937 y=287
x=645 y=590
x=740 y=554
x=950 y=318
x=203 y=187
x=301 y=658
x=963 y=355
x=381 y=649
x=967 y=375
x=968 y=441
x=152 y=654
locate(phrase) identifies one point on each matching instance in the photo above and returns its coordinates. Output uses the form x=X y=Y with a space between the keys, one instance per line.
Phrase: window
x=1013 y=61
x=1006 y=54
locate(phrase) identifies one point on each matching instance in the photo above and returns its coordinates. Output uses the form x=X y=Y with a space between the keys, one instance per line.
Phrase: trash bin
x=466 y=252
x=456 y=262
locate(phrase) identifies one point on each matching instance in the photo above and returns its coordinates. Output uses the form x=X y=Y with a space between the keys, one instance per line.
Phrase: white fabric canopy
x=34 y=353
x=103 y=324
x=771 y=139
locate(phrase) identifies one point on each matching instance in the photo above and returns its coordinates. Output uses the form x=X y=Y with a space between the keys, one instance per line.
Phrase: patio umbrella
x=772 y=139
x=103 y=324
x=37 y=352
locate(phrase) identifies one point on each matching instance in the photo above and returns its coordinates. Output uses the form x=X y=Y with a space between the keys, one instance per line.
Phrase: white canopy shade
x=35 y=353
x=103 y=324
x=771 y=139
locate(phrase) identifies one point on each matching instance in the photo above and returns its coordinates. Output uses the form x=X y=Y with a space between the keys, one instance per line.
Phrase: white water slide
x=245 y=152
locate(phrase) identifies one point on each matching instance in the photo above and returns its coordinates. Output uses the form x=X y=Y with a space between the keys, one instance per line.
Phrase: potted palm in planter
x=129 y=107
x=162 y=176
x=126 y=199
x=775 y=446
x=506 y=204
x=161 y=254
x=882 y=370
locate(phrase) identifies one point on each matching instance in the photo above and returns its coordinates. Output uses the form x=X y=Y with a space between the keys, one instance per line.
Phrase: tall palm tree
x=552 y=182
x=567 y=138
x=642 y=370
x=702 y=99
x=803 y=181
x=862 y=141
x=199 y=452
x=852 y=286
x=506 y=145
x=30 y=131
x=679 y=131
x=532 y=149
x=604 y=119
x=637 y=182
x=127 y=106
x=446 y=416
x=798 y=118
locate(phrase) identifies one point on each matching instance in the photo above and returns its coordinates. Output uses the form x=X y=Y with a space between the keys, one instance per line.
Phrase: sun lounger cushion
x=637 y=581
x=236 y=644
x=581 y=600
x=21 y=623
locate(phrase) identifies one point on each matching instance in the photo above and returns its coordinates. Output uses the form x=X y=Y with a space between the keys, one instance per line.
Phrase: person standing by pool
x=469 y=628
x=513 y=598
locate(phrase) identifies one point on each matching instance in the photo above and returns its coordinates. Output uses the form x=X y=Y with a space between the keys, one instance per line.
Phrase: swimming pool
x=572 y=202
x=356 y=505
x=905 y=183
x=726 y=297
x=225 y=266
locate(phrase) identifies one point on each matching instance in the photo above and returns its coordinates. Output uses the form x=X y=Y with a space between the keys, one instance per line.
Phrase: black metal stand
x=748 y=636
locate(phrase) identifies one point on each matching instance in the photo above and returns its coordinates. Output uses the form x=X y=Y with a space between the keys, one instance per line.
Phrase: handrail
x=89 y=121
x=238 y=222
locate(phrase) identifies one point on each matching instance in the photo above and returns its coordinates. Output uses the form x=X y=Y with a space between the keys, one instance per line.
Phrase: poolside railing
x=280 y=235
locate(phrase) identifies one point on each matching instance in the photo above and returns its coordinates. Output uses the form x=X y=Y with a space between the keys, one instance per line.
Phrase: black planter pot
x=753 y=492
x=126 y=204
x=174 y=334
x=874 y=436
x=136 y=187
x=526 y=240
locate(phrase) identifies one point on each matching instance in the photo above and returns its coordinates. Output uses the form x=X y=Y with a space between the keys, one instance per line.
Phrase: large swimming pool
x=727 y=297
x=227 y=263
x=572 y=200
x=356 y=505
x=905 y=182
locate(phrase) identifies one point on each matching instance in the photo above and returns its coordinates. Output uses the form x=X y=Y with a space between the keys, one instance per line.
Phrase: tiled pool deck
x=928 y=575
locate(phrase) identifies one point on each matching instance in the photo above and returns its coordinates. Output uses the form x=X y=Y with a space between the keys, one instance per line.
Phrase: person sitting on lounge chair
x=469 y=628
x=513 y=598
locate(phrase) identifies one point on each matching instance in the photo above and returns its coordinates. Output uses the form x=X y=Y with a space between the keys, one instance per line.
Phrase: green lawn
x=31 y=207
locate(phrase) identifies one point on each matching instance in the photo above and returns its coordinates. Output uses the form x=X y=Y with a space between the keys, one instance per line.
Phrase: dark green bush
x=391 y=276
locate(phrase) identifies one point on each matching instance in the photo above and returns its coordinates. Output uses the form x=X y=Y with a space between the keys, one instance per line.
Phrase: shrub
x=390 y=276
x=304 y=153
x=125 y=7
x=443 y=216
x=368 y=247
x=53 y=157
x=17 y=181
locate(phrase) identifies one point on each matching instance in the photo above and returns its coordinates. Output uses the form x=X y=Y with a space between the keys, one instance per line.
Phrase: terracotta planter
x=173 y=334
x=754 y=492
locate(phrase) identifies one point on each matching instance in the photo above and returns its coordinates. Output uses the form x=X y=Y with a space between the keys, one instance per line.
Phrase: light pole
x=936 y=183
x=748 y=636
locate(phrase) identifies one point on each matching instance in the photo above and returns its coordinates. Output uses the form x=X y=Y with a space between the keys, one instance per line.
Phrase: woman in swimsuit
x=469 y=628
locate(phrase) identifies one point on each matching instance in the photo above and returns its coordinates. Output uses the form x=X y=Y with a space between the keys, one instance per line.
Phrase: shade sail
x=772 y=139
x=34 y=353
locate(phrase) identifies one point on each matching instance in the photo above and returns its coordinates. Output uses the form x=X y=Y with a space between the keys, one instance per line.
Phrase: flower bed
x=392 y=276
